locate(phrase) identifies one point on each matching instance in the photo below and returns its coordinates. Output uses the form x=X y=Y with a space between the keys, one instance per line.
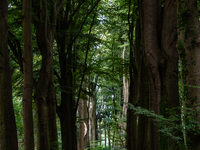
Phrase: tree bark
x=28 y=76
x=94 y=121
x=66 y=109
x=169 y=67
x=149 y=11
x=142 y=90
x=8 y=131
x=45 y=101
x=93 y=114
x=189 y=45
x=83 y=124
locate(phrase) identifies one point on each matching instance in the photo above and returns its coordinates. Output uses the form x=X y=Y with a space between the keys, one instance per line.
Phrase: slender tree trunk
x=105 y=137
x=51 y=111
x=189 y=46
x=86 y=122
x=83 y=124
x=28 y=76
x=8 y=132
x=125 y=87
x=109 y=138
x=131 y=117
x=142 y=90
x=94 y=121
x=93 y=113
x=131 y=128
x=125 y=100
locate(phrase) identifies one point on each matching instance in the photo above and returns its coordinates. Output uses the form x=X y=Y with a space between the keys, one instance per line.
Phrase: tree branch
x=57 y=75
x=85 y=65
x=81 y=26
x=59 y=6
x=15 y=47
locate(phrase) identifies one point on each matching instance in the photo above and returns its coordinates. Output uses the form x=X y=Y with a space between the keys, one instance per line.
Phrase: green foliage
x=168 y=126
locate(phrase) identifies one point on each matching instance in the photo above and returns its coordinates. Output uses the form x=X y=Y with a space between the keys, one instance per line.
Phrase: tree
x=161 y=60
x=28 y=76
x=68 y=31
x=189 y=44
x=8 y=132
x=169 y=64
x=45 y=98
x=93 y=112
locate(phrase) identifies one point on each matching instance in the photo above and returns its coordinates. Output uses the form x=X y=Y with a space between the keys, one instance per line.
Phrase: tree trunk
x=8 y=132
x=142 y=90
x=93 y=113
x=86 y=123
x=66 y=109
x=28 y=76
x=105 y=136
x=169 y=66
x=67 y=116
x=45 y=101
x=149 y=11
x=109 y=137
x=125 y=100
x=42 y=92
x=83 y=124
x=131 y=128
x=94 y=121
x=189 y=46
x=131 y=117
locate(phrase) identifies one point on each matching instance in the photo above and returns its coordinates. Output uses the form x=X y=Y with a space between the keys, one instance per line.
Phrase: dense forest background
x=99 y=74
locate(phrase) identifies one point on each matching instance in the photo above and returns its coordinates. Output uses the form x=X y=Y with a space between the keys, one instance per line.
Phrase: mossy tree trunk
x=189 y=45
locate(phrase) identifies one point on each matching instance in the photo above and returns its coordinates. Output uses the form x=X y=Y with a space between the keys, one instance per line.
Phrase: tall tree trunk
x=66 y=109
x=109 y=137
x=86 y=122
x=83 y=124
x=149 y=11
x=94 y=121
x=105 y=136
x=142 y=90
x=170 y=89
x=125 y=100
x=131 y=128
x=45 y=101
x=93 y=113
x=8 y=132
x=189 y=46
x=125 y=87
x=28 y=76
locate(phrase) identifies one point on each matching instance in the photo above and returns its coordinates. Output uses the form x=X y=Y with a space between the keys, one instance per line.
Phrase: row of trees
x=166 y=46
x=89 y=65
